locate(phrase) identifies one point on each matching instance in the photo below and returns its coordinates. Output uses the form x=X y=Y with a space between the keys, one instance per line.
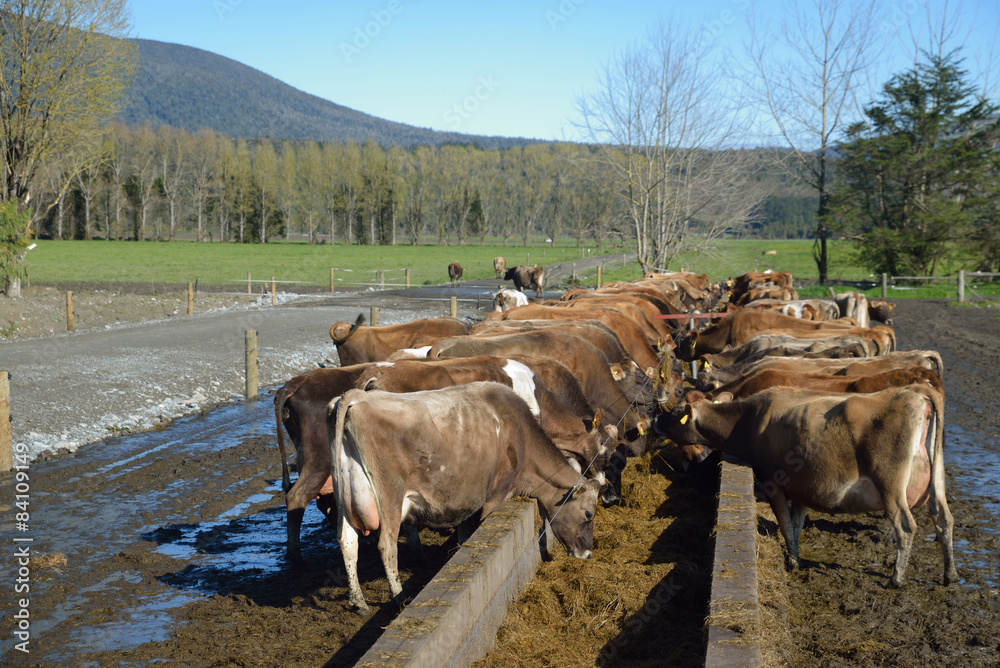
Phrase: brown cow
x=300 y=406
x=880 y=310
x=835 y=453
x=532 y=278
x=927 y=359
x=778 y=344
x=613 y=388
x=767 y=378
x=766 y=291
x=807 y=309
x=584 y=442
x=358 y=343
x=499 y=266
x=740 y=326
x=632 y=334
x=455 y=273
x=594 y=331
x=439 y=457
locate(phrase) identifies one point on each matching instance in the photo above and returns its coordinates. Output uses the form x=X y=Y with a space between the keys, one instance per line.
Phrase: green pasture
x=181 y=262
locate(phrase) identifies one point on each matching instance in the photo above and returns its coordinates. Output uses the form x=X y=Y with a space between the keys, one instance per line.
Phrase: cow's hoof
x=951 y=577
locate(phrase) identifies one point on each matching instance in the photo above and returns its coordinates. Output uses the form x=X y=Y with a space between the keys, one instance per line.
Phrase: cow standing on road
x=532 y=278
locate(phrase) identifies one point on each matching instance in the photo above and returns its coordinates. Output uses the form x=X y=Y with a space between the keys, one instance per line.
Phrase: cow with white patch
x=505 y=300
x=439 y=457
x=836 y=453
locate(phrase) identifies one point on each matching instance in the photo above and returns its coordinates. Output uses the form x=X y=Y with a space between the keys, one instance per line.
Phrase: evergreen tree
x=917 y=180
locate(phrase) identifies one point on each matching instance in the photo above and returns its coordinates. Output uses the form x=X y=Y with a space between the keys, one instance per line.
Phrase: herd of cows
x=437 y=421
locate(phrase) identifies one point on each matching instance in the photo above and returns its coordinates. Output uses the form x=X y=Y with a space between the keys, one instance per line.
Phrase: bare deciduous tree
x=811 y=94
x=670 y=129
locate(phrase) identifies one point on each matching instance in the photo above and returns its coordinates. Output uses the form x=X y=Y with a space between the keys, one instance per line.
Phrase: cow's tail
x=357 y=323
x=279 y=413
x=338 y=411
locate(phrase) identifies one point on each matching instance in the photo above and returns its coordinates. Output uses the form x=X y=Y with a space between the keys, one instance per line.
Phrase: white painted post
x=961 y=285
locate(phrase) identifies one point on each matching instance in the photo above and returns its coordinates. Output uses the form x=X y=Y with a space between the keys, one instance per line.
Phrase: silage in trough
x=641 y=600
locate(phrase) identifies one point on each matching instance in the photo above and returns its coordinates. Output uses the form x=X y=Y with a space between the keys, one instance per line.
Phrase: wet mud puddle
x=149 y=523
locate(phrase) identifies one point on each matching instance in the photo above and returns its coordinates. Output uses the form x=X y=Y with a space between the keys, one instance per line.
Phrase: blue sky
x=513 y=68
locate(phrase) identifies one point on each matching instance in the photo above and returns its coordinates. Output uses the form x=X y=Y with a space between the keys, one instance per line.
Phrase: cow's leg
x=348 y=539
x=780 y=506
x=898 y=514
x=943 y=521
x=413 y=544
x=388 y=536
x=308 y=486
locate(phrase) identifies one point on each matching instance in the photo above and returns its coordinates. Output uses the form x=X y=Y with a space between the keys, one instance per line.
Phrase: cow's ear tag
x=684 y=419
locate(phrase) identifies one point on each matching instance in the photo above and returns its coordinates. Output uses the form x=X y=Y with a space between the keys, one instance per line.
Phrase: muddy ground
x=167 y=548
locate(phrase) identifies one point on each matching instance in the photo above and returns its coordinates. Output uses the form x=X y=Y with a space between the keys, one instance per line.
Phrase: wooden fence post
x=374 y=316
x=274 y=295
x=249 y=291
x=599 y=276
x=885 y=285
x=961 y=285
x=70 y=326
x=407 y=278
x=251 y=363
x=6 y=438
x=454 y=306
x=332 y=288
x=190 y=298
x=381 y=279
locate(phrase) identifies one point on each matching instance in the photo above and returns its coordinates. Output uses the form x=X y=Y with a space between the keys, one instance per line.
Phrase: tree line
x=154 y=184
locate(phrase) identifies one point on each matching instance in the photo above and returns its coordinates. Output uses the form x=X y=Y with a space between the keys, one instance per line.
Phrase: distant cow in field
x=499 y=265
x=455 y=273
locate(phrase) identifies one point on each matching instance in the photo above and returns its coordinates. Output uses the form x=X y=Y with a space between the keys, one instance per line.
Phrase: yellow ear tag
x=684 y=419
x=706 y=366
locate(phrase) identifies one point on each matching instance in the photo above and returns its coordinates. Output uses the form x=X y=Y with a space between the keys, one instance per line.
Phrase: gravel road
x=71 y=389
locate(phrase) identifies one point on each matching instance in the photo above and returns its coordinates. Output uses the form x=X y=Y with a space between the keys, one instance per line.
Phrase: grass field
x=180 y=262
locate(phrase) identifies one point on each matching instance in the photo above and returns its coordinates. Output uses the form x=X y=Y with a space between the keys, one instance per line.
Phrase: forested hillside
x=189 y=88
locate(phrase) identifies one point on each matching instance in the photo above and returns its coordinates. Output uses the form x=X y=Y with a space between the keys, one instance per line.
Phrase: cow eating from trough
x=439 y=457
x=835 y=453
x=358 y=343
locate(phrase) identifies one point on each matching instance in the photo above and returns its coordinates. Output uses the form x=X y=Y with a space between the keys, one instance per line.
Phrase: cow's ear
x=596 y=423
x=617 y=372
x=688 y=414
x=723 y=398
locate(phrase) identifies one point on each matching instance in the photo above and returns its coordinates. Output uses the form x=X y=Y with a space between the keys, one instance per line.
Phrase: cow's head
x=680 y=424
x=573 y=523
